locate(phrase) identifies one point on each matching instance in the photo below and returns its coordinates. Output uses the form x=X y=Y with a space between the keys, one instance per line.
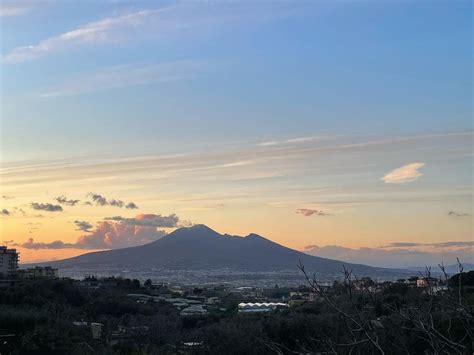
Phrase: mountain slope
x=201 y=248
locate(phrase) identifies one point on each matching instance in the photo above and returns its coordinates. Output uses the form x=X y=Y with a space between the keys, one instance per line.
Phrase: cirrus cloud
x=13 y=9
x=406 y=173
x=121 y=76
x=104 y=30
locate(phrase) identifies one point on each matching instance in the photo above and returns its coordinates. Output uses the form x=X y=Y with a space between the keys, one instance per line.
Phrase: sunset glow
x=121 y=123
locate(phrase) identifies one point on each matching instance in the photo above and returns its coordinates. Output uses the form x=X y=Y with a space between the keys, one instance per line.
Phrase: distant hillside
x=450 y=269
x=201 y=248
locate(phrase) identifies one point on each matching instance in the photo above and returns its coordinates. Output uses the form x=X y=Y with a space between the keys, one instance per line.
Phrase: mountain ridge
x=202 y=248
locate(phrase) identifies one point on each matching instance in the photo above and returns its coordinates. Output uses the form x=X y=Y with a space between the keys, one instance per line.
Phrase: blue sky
x=275 y=109
x=247 y=69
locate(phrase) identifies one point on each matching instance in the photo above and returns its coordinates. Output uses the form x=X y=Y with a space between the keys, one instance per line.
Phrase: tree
x=429 y=320
x=135 y=283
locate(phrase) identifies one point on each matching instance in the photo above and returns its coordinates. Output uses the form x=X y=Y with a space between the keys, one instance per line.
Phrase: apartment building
x=38 y=272
x=8 y=262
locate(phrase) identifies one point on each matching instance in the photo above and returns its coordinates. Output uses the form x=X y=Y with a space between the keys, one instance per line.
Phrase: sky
x=322 y=125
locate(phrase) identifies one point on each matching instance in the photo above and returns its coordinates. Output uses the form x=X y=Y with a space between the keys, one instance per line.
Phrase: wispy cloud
x=63 y=200
x=237 y=163
x=11 y=9
x=339 y=164
x=120 y=76
x=148 y=220
x=83 y=226
x=406 y=173
x=18 y=212
x=101 y=31
x=458 y=214
x=307 y=212
x=440 y=245
x=292 y=141
x=164 y=22
x=57 y=244
x=46 y=207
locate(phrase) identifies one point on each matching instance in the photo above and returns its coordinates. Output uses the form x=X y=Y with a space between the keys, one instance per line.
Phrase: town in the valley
x=103 y=313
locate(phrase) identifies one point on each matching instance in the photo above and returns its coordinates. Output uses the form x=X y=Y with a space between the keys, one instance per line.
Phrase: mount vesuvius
x=201 y=248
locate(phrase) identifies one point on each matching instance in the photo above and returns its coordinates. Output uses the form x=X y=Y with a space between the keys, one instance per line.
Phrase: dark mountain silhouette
x=201 y=248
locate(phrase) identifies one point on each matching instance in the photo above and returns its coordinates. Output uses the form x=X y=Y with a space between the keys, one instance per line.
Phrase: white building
x=194 y=310
x=260 y=307
x=8 y=262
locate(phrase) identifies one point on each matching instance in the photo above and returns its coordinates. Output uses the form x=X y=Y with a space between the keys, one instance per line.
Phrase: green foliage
x=41 y=314
x=467 y=279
